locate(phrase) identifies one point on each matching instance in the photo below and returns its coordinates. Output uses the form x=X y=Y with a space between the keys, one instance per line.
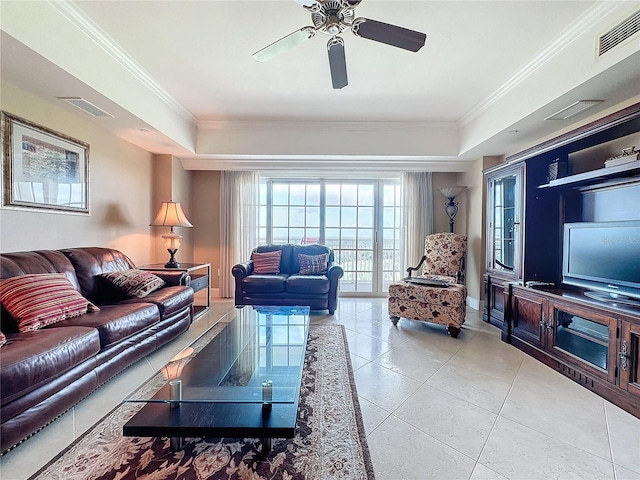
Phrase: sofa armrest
x=172 y=279
x=240 y=271
x=334 y=272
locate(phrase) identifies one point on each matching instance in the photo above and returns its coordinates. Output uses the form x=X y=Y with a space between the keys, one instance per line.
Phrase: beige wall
x=120 y=175
x=171 y=183
x=205 y=196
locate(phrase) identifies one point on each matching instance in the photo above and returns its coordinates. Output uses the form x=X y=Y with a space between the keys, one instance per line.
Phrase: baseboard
x=473 y=303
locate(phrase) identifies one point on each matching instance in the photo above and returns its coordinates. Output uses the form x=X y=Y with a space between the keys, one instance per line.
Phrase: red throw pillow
x=267 y=262
x=38 y=300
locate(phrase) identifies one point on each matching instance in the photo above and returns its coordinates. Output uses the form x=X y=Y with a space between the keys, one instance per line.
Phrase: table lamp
x=171 y=215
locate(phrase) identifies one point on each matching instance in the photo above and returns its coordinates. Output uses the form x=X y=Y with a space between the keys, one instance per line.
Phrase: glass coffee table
x=243 y=383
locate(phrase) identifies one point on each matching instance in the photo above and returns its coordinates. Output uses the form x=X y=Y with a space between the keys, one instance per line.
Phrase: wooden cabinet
x=629 y=355
x=590 y=342
x=504 y=236
x=530 y=199
x=528 y=316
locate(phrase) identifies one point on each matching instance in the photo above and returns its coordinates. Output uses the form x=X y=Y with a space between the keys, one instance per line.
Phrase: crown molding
x=322 y=163
x=86 y=25
x=323 y=125
x=587 y=20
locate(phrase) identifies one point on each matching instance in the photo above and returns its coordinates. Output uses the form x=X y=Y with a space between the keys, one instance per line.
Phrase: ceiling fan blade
x=285 y=43
x=305 y=3
x=337 y=62
x=390 y=34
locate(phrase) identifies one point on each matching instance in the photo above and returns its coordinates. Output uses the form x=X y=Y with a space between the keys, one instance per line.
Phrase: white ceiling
x=183 y=69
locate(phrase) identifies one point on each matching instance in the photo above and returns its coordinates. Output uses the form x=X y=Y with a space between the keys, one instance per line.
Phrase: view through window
x=360 y=220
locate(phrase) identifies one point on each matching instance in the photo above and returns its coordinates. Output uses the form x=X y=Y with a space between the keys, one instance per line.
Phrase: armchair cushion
x=444 y=254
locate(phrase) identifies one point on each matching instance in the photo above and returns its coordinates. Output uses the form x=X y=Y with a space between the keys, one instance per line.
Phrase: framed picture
x=43 y=169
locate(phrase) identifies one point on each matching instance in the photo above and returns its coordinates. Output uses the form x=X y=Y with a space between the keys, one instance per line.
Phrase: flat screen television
x=604 y=258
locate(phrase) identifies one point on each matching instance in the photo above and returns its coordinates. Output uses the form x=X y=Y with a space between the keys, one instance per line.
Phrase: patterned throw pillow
x=3 y=339
x=313 y=264
x=38 y=300
x=134 y=283
x=267 y=262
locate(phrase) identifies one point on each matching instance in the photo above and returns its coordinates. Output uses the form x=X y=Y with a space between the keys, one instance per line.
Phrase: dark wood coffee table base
x=214 y=420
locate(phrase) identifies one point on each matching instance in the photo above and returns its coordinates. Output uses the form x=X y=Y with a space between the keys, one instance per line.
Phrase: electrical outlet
x=218 y=272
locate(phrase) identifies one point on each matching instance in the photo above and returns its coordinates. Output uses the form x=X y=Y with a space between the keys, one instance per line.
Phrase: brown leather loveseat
x=288 y=283
x=44 y=372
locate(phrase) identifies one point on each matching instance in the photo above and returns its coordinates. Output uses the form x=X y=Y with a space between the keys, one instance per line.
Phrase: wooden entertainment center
x=530 y=198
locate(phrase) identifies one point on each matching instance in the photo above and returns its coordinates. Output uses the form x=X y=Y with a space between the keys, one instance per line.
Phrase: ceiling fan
x=334 y=17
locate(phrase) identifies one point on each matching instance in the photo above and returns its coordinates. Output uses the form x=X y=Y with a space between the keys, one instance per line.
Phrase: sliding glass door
x=360 y=220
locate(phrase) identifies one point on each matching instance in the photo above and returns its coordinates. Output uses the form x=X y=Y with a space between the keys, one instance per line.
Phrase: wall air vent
x=85 y=106
x=573 y=109
x=619 y=33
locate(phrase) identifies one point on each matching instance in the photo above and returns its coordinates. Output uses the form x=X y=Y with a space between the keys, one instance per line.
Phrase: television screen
x=603 y=256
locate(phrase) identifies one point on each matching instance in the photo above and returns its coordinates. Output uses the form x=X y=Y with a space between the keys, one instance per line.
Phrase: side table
x=200 y=274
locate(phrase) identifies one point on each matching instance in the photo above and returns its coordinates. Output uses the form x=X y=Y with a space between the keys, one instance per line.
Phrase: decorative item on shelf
x=451 y=207
x=628 y=155
x=557 y=169
x=171 y=215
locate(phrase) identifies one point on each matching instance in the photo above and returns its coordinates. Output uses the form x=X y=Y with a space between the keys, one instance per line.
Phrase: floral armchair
x=441 y=304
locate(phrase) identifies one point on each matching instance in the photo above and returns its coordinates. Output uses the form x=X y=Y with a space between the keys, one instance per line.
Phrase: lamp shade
x=171 y=215
x=452 y=192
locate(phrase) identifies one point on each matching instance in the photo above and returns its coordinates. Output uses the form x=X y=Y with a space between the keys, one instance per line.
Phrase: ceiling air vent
x=619 y=33
x=85 y=106
x=573 y=109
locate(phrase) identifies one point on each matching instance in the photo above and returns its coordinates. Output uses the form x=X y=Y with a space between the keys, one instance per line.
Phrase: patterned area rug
x=330 y=441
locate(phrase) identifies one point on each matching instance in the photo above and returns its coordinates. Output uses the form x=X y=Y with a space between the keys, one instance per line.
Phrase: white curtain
x=417 y=215
x=238 y=223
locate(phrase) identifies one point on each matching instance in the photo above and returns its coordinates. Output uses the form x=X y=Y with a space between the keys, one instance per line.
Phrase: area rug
x=330 y=441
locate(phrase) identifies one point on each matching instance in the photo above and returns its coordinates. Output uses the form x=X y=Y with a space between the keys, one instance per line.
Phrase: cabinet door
x=504 y=214
x=494 y=301
x=528 y=317
x=629 y=358
x=584 y=337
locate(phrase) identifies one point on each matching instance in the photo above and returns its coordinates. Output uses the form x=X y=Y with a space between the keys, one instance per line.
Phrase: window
x=360 y=220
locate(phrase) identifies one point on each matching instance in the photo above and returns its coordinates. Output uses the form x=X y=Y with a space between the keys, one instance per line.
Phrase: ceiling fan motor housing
x=333 y=16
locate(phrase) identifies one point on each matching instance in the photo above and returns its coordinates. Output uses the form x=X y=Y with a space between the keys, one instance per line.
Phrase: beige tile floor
x=434 y=407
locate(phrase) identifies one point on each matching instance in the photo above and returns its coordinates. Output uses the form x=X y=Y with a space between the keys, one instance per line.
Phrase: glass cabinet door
x=503 y=216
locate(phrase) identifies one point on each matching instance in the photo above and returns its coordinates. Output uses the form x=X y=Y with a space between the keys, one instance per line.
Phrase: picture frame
x=43 y=169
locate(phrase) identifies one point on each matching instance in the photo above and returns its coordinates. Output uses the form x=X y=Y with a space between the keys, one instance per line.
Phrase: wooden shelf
x=592 y=176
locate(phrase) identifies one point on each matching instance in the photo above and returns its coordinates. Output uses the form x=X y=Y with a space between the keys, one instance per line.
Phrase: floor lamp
x=451 y=207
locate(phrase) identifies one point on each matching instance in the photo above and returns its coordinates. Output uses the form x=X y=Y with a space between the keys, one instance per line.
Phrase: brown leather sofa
x=45 y=372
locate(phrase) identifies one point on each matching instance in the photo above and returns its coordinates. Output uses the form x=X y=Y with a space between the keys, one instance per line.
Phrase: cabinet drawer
x=198 y=282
